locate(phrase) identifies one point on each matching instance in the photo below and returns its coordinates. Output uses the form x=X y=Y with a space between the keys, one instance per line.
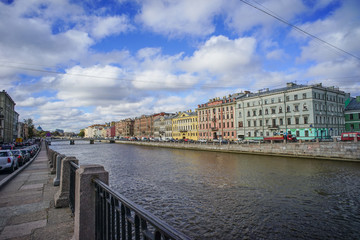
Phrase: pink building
x=216 y=118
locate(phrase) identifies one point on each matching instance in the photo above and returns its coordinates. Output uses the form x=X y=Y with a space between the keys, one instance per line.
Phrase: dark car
x=26 y=154
x=19 y=156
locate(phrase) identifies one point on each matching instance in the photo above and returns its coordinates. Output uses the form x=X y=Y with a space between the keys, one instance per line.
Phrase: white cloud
x=107 y=26
x=222 y=56
x=175 y=18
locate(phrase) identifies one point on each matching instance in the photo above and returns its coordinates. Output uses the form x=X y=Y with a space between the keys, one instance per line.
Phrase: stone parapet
x=342 y=151
x=84 y=227
x=62 y=195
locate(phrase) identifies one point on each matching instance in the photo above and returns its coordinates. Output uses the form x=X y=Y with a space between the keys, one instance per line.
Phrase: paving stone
x=32 y=186
x=23 y=229
x=61 y=231
x=28 y=217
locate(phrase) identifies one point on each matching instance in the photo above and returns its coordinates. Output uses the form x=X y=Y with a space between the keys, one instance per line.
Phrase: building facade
x=8 y=118
x=163 y=126
x=308 y=112
x=185 y=126
x=216 y=118
x=143 y=126
x=124 y=128
x=352 y=115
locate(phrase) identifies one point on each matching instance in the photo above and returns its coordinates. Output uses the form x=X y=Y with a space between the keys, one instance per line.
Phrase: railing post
x=58 y=169
x=84 y=227
x=62 y=195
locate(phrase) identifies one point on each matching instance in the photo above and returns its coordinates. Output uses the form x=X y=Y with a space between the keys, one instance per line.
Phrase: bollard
x=84 y=219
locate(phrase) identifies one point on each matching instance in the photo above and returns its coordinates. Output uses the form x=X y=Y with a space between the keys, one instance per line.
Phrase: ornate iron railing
x=119 y=218
x=73 y=168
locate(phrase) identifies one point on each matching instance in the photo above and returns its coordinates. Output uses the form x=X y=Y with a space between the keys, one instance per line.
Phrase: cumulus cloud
x=175 y=18
x=225 y=58
x=107 y=26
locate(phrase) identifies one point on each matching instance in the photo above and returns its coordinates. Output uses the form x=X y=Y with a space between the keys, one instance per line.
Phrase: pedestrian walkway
x=27 y=205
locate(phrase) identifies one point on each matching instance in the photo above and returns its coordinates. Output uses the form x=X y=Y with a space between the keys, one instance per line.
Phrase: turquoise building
x=352 y=115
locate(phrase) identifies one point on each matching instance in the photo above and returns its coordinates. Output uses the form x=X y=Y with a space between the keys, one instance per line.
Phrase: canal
x=211 y=195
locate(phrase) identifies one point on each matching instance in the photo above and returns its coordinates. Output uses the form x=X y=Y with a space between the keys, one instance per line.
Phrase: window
x=351 y=116
x=297 y=133
x=239 y=115
x=266 y=111
x=239 y=105
x=249 y=134
x=265 y=101
x=248 y=104
x=260 y=112
x=260 y=123
x=296 y=120
x=273 y=110
x=280 y=109
x=305 y=107
x=240 y=124
x=280 y=100
x=249 y=124
x=281 y=121
x=272 y=100
x=248 y=113
x=227 y=124
x=288 y=109
x=287 y=98
x=296 y=108
x=306 y=120
x=304 y=95
x=306 y=133
x=254 y=113
x=289 y=121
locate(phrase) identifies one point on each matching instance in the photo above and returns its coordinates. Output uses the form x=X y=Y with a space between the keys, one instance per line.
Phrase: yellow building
x=185 y=126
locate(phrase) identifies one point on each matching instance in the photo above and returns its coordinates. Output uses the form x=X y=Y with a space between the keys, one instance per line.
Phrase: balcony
x=214 y=129
x=273 y=127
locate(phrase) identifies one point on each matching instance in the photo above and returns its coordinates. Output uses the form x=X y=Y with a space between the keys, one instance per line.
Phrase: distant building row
x=306 y=111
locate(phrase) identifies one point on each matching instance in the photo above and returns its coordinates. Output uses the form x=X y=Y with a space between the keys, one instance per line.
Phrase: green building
x=352 y=114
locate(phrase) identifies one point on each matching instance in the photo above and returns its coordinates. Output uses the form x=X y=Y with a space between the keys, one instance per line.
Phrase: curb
x=19 y=170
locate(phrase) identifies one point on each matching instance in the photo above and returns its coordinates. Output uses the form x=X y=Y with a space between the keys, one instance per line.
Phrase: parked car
x=7 y=147
x=26 y=154
x=202 y=140
x=19 y=156
x=8 y=161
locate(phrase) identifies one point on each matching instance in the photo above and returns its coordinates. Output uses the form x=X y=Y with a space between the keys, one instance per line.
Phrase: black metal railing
x=73 y=168
x=119 y=218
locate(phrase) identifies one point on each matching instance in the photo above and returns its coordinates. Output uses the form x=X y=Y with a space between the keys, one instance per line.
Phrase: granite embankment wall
x=342 y=151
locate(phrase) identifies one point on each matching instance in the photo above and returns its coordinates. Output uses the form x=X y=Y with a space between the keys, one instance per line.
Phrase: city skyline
x=71 y=64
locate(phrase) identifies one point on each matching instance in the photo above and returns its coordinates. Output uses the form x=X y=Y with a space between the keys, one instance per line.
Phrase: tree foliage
x=82 y=133
x=30 y=125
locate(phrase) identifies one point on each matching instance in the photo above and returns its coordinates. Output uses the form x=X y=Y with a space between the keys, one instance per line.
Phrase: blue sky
x=70 y=64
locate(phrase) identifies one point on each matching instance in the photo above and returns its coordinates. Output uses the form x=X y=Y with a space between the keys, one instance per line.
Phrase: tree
x=82 y=133
x=30 y=125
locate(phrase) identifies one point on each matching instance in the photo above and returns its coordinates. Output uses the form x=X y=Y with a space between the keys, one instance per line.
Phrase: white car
x=202 y=140
x=8 y=161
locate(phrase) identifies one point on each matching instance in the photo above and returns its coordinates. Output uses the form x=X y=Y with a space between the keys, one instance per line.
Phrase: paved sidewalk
x=27 y=205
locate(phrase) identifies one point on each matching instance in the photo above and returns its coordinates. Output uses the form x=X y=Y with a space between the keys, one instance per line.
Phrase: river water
x=209 y=195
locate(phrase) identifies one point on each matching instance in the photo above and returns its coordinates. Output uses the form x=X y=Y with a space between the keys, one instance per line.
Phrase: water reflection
x=210 y=195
